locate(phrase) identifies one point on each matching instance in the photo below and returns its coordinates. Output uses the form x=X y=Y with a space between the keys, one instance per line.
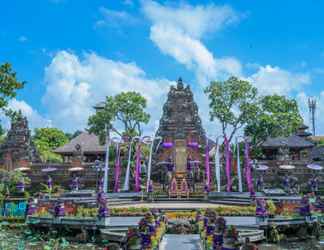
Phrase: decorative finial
x=180 y=83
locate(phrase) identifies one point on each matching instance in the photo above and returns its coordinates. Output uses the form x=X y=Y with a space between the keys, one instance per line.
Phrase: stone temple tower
x=180 y=119
x=180 y=127
x=18 y=149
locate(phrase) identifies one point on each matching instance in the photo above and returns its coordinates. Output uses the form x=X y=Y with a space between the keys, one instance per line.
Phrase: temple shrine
x=18 y=150
x=182 y=135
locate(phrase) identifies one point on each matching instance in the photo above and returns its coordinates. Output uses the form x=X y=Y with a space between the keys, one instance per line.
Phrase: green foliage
x=9 y=181
x=8 y=84
x=233 y=102
x=127 y=108
x=277 y=116
x=46 y=140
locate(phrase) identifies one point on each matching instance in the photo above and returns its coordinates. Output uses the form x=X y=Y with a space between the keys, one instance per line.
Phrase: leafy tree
x=8 y=89
x=233 y=102
x=8 y=84
x=103 y=119
x=127 y=108
x=48 y=139
x=277 y=116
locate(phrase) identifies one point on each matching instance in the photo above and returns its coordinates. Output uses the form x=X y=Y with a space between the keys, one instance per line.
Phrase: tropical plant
x=277 y=116
x=233 y=103
x=127 y=109
x=48 y=139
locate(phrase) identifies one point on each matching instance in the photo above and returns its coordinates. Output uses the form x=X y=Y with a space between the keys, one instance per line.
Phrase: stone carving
x=18 y=149
x=180 y=115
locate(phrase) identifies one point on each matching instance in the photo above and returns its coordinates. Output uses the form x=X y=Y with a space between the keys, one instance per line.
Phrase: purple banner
x=117 y=169
x=138 y=168
x=247 y=170
x=207 y=167
x=228 y=165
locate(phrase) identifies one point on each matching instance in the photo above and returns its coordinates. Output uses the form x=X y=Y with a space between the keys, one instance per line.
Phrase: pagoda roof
x=293 y=141
x=89 y=144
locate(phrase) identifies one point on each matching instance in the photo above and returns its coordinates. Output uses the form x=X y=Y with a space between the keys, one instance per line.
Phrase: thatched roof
x=89 y=144
x=293 y=141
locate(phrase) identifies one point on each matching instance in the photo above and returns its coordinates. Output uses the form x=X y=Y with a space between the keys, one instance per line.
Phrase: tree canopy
x=8 y=84
x=127 y=109
x=277 y=116
x=46 y=140
x=8 y=89
x=233 y=102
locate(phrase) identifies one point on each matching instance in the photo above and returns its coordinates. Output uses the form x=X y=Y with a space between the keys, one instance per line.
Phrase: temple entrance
x=181 y=156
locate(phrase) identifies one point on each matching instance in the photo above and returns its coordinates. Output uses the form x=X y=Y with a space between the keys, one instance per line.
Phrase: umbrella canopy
x=74 y=169
x=287 y=167
x=262 y=168
x=48 y=169
x=314 y=166
x=22 y=169
x=164 y=163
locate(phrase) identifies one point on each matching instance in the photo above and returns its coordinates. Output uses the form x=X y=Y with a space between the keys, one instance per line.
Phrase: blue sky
x=73 y=53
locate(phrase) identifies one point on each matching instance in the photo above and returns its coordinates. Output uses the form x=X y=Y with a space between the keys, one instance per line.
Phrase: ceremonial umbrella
x=314 y=166
x=262 y=168
x=49 y=169
x=164 y=162
x=74 y=169
x=22 y=169
x=287 y=167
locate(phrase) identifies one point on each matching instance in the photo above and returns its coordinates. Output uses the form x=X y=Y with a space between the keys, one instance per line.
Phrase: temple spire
x=180 y=83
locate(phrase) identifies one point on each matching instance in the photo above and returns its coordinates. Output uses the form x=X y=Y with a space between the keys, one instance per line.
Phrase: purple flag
x=228 y=165
x=137 y=168
x=117 y=169
x=247 y=170
x=207 y=167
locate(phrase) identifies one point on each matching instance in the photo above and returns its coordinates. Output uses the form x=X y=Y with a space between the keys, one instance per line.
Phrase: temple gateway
x=177 y=159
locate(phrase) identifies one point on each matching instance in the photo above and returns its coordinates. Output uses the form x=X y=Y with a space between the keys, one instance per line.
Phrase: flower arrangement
x=151 y=229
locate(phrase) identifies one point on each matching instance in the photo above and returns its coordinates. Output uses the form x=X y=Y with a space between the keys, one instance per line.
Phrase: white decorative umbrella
x=287 y=167
x=314 y=166
x=262 y=168
x=49 y=169
x=164 y=162
x=74 y=169
x=22 y=169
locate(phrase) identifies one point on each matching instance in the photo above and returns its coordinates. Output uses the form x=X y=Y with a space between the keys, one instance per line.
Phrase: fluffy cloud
x=35 y=119
x=196 y=21
x=115 y=19
x=274 y=80
x=177 y=33
x=75 y=85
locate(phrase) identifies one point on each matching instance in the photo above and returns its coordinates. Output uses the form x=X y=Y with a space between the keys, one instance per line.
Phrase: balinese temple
x=296 y=150
x=85 y=144
x=182 y=136
x=18 y=150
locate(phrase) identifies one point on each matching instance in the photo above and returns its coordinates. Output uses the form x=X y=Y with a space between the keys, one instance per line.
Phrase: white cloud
x=177 y=33
x=75 y=84
x=114 y=18
x=35 y=119
x=274 y=80
x=196 y=21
